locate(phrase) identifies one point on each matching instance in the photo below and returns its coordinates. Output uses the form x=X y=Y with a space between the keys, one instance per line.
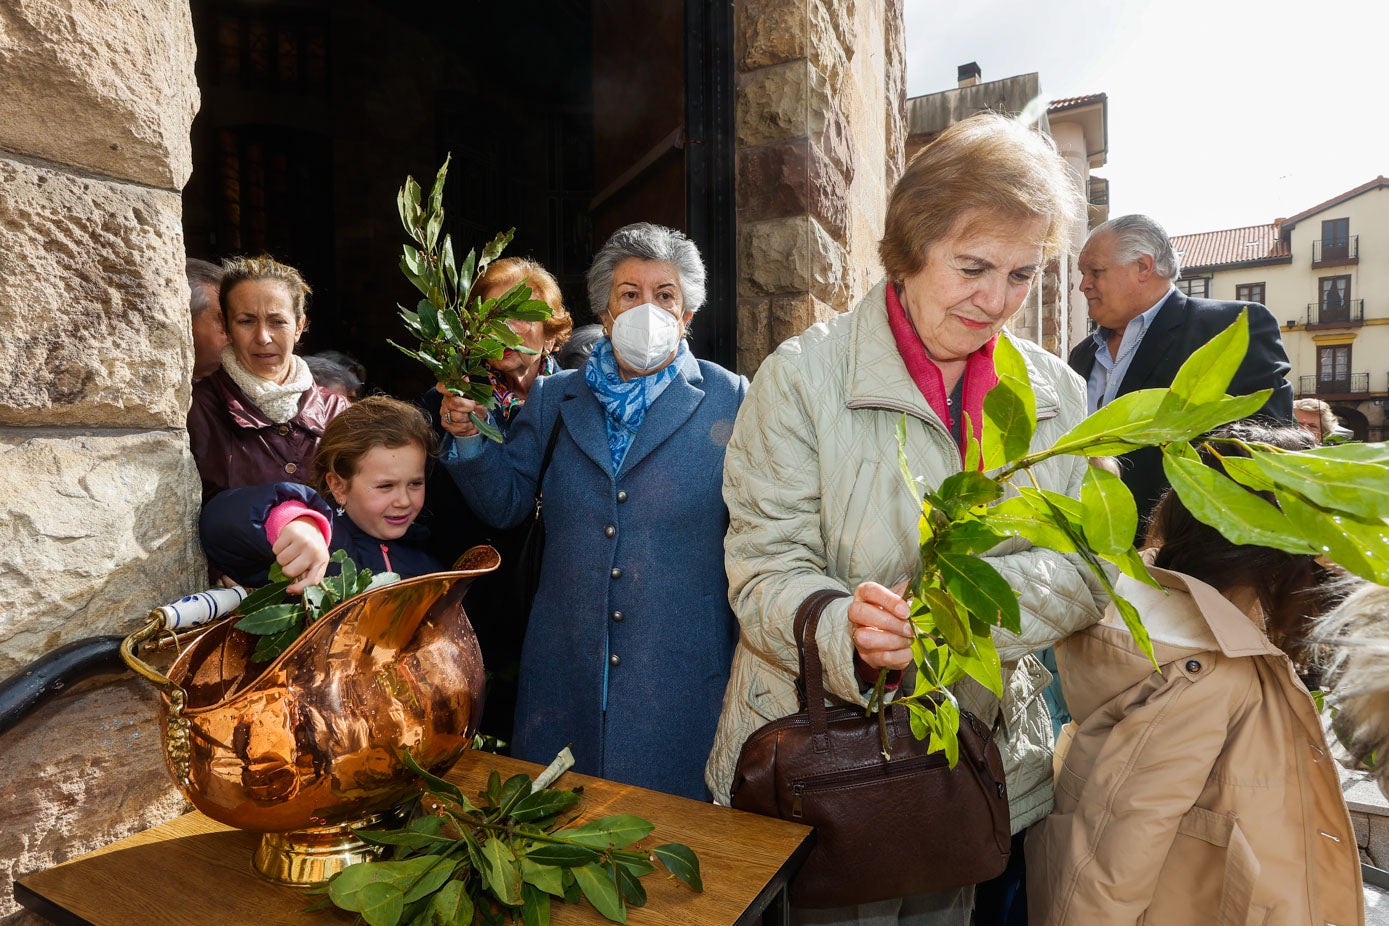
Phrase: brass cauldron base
x=309 y=857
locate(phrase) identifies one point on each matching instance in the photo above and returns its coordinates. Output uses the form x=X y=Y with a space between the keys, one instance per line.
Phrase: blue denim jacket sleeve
x=461 y=450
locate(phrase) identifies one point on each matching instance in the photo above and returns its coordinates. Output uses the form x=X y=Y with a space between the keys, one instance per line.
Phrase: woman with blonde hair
x=515 y=371
x=454 y=526
x=370 y=489
x=258 y=419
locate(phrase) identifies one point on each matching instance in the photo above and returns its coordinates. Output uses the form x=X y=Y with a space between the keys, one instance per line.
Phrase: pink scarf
x=979 y=376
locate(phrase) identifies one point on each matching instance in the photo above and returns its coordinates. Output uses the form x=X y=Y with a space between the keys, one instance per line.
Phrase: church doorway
x=564 y=118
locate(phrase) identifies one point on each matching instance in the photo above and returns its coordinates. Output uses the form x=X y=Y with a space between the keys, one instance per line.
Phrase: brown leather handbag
x=884 y=828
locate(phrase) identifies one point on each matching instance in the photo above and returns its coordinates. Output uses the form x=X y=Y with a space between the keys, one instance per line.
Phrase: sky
x=1222 y=113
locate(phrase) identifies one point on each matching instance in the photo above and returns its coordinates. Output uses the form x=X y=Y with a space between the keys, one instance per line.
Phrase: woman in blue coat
x=630 y=639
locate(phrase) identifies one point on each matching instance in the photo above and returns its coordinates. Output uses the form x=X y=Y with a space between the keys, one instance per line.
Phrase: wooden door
x=663 y=138
x=1333 y=369
x=1335 y=239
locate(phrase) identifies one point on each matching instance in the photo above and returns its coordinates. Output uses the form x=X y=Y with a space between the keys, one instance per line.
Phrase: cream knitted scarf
x=279 y=402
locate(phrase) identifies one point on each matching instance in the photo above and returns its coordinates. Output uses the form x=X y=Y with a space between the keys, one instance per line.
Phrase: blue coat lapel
x=583 y=419
x=665 y=416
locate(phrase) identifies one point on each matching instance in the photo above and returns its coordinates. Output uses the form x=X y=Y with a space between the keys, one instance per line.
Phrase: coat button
x=614 y=660
x=617 y=616
x=610 y=532
x=291 y=468
x=621 y=495
x=616 y=573
x=283 y=429
x=1193 y=666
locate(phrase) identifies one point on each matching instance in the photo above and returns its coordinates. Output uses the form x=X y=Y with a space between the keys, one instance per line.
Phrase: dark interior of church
x=564 y=118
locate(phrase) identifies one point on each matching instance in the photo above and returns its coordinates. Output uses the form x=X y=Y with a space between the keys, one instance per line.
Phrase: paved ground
x=1376 y=907
x=1369 y=809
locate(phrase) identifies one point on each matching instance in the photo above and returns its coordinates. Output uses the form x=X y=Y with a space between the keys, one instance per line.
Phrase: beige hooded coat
x=816 y=500
x=1202 y=795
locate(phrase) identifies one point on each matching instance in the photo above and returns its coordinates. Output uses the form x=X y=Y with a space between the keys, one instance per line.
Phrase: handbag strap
x=812 y=680
x=545 y=462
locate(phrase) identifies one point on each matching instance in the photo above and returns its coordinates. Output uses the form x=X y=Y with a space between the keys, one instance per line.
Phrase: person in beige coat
x=817 y=501
x=1204 y=794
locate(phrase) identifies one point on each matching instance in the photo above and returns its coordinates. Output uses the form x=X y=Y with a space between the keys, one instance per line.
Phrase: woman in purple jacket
x=259 y=418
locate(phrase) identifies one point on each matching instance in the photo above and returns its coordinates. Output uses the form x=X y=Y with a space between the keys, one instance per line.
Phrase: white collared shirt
x=1107 y=375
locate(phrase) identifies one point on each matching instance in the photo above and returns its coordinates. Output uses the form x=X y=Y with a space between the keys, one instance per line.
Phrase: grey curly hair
x=646 y=241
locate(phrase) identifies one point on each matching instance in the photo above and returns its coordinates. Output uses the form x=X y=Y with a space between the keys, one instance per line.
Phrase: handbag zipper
x=864 y=773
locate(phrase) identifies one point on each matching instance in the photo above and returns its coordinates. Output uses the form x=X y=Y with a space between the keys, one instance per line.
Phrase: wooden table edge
x=772 y=895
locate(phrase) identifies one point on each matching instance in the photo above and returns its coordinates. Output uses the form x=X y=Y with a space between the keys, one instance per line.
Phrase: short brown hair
x=376 y=421
x=245 y=269
x=1292 y=587
x=987 y=163
x=503 y=274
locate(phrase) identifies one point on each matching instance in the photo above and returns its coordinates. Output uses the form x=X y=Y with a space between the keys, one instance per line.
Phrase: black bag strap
x=811 y=686
x=545 y=462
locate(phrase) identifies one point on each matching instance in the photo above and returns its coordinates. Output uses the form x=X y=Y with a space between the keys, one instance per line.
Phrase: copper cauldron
x=309 y=747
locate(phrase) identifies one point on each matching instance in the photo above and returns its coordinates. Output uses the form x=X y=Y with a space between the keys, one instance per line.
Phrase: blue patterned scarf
x=625 y=403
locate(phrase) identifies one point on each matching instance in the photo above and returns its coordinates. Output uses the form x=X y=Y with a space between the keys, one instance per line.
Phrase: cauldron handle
x=184 y=614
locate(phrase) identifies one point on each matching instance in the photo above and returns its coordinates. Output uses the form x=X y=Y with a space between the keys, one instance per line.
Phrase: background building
x=1079 y=128
x=1325 y=274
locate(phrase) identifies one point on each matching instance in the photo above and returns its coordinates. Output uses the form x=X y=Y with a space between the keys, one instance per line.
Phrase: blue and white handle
x=195 y=610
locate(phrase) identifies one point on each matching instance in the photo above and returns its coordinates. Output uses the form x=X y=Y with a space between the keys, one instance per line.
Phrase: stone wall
x=98 y=493
x=820 y=131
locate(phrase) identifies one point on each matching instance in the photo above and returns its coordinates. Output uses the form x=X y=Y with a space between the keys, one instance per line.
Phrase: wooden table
x=195 y=871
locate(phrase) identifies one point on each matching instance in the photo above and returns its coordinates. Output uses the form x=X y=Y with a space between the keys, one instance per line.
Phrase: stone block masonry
x=98 y=492
x=818 y=150
x=93 y=302
x=105 y=88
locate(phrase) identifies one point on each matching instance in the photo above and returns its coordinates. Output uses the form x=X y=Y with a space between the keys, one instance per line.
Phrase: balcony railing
x=1354 y=384
x=1098 y=193
x=1336 y=250
x=1349 y=312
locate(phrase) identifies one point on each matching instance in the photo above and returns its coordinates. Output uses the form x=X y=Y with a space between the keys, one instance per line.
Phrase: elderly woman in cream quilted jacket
x=811 y=479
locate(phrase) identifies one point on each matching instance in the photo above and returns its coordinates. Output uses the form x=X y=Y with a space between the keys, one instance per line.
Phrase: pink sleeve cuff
x=293 y=510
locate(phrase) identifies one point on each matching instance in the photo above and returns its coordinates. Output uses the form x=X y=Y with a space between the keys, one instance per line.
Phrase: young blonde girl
x=371 y=465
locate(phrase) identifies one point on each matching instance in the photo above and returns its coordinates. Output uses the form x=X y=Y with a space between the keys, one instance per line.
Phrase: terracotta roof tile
x=1348 y=194
x=1208 y=250
x=1071 y=102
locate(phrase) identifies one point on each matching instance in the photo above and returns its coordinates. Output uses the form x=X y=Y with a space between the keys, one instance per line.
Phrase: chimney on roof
x=968 y=74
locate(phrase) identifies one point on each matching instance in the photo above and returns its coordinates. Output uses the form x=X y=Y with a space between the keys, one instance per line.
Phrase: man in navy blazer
x=1147 y=328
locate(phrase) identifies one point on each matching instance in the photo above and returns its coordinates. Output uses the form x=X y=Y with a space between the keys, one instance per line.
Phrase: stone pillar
x=820 y=132
x=98 y=493
x=1071 y=322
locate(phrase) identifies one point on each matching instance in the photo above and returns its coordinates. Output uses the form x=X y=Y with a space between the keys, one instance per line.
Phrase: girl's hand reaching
x=302 y=553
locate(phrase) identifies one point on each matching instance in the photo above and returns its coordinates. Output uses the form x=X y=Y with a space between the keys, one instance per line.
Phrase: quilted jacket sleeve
x=1057 y=593
x=774 y=550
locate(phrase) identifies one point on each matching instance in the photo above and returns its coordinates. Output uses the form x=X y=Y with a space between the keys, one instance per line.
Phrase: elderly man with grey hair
x=1146 y=328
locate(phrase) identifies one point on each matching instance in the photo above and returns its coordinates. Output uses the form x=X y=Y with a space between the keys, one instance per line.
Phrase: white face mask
x=644 y=336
